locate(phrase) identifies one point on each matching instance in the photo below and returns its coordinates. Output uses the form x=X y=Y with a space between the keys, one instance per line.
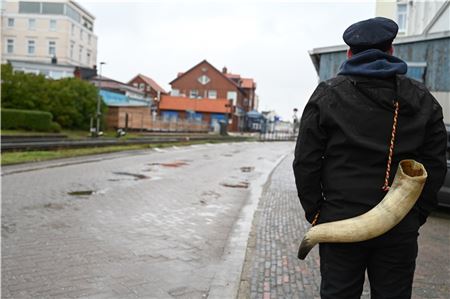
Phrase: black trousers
x=390 y=262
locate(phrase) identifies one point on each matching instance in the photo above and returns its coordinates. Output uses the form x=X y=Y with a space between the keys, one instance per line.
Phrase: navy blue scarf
x=373 y=63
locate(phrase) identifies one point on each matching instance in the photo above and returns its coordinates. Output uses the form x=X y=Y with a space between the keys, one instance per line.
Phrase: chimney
x=224 y=70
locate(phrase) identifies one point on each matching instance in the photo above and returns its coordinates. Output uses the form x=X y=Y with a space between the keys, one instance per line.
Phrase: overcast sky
x=264 y=40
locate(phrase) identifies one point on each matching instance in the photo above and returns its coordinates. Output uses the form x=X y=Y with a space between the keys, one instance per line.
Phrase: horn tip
x=305 y=248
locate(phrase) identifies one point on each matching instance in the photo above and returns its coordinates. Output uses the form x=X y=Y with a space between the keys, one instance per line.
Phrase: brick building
x=204 y=81
x=147 y=85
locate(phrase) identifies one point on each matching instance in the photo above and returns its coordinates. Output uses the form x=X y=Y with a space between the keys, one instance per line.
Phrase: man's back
x=356 y=116
x=353 y=132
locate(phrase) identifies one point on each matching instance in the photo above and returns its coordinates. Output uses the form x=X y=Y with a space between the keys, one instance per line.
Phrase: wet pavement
x=272 y=270
x=173 y=223
x=170 y=223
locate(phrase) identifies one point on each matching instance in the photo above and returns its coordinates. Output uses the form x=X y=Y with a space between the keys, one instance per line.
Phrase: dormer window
x=203 y=79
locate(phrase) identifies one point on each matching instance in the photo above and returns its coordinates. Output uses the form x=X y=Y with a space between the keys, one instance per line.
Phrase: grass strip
x=9 y=158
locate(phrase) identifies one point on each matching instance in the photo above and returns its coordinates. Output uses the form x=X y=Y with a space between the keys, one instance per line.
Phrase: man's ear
x=349 y=53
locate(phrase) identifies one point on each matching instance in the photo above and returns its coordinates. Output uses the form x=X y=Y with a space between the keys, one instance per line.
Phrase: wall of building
x=217 y=82
x=386 y=8
x=444 y=99
x=435 y=53
x=443 y=23
x=68 y=32
x=136 y=82
x=419 y=15
x=138 y=117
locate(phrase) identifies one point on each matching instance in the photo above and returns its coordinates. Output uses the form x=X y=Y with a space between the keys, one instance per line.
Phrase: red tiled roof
x=247 y=83
x=233 y=76
x=150 y=82
x=199 y=105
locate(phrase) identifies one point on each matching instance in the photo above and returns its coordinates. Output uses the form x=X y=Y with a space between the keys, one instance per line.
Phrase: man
x=342 y=153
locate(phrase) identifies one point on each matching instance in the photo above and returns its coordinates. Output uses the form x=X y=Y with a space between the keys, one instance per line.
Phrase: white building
x=49 y=37
x=416 y=17
x=420 y=20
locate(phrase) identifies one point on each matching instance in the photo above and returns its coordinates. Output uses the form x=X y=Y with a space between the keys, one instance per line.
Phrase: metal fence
x=177 y=125
x=278 y=136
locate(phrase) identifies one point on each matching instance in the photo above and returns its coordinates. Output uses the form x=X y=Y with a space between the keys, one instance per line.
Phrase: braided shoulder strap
x=389 y=162
x=391 y=149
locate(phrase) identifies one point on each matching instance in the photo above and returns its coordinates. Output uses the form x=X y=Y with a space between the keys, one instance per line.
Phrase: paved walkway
x=272 y=269
x=169 y=223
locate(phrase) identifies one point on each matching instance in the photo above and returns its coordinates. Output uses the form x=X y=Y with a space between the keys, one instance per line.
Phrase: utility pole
x=99 y=113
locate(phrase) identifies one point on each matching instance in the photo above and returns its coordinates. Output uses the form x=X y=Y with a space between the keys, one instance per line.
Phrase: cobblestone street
x=272 y=269
x=171 y=223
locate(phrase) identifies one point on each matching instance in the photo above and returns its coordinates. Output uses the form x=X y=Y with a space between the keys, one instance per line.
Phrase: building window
x=232 y=95
x=29 y=7
x=31 y=47
x=9 y=46
x=31 y=24
x=81 y=34
x=52 y=8
x=71 y=50
x=73 y=29
x=402 y=10
x=89 y=39
x=141 y=86
x=203 y=79
x=212 y=94
x=149 y=88
x=73 y=14
x=193 y=93
x=52 y=25
x=10 y=22
x=52 y=48
x=80 y=54
x=175 y=92
x=88 y=58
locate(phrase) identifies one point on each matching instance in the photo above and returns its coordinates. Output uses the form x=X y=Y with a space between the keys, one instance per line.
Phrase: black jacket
x=343 y=145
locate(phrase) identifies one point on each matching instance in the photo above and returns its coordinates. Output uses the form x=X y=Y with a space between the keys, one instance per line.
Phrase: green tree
x=71 y=101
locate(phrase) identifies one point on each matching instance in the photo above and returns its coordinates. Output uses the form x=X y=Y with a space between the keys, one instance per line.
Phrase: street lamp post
x=99 y=113
x=295 y=121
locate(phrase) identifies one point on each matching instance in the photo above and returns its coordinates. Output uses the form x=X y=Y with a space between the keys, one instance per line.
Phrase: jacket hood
x=384 y=92
x=373 y=63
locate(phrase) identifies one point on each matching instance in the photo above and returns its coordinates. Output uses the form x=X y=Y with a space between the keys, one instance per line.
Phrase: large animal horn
x=403 y=194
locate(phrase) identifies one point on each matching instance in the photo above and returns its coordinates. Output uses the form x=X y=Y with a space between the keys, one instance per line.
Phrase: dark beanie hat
x=376 y=33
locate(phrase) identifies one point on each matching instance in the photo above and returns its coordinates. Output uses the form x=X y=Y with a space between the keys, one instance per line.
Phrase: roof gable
x=149 y=81
x=181 y=75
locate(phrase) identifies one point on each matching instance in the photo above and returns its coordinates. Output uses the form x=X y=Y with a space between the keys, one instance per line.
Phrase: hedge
x=32 y=120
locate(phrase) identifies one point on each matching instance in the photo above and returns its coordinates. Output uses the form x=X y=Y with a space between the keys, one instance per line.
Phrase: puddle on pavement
x=81 y=193
x=227 y=155
x=247 y=168
x=236 y=185
x=174 y=164
x=54 y=206
x=136 y=176
x=9 y=228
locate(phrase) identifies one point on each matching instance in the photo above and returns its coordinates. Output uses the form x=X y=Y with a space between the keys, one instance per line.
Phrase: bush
x=14 y=119
x=71 y=101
